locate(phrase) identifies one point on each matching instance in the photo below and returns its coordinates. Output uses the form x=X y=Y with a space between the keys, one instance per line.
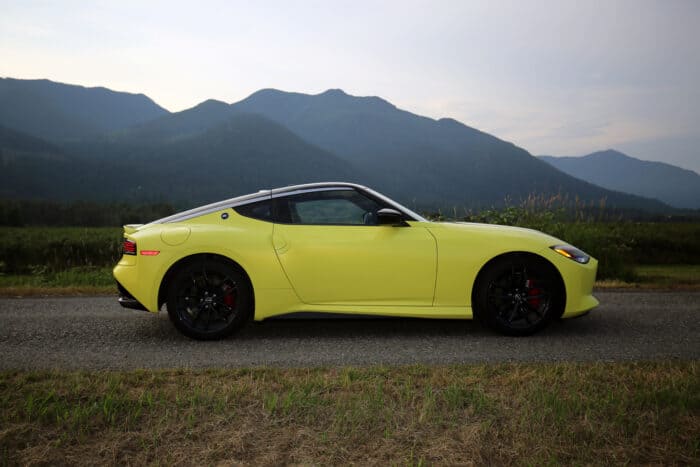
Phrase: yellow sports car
x=344 y=248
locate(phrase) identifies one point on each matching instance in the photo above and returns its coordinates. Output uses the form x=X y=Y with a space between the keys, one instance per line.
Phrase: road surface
x=96 y=333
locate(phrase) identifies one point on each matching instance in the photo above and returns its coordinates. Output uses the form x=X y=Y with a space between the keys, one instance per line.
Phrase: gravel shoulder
x=96 y=333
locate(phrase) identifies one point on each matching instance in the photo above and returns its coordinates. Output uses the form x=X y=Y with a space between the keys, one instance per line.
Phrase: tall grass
x=40 y=250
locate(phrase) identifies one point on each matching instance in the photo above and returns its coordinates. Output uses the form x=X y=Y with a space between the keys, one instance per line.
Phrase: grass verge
x=679 y=275
x=71 y=282
x=622 y=413
x=662 y=276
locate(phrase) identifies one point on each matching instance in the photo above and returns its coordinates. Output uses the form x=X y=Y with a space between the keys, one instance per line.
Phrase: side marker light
x=150 y=252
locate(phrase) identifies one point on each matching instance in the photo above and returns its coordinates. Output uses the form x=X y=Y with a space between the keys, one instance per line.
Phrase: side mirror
x=388 y=216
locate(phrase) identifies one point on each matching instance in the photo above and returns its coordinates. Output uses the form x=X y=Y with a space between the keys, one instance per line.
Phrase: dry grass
x=633 y=413
x=659 y=286
x=659 y=277
x=71 y=291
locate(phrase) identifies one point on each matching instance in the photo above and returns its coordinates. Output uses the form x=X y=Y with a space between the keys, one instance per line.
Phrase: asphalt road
x=96 y=333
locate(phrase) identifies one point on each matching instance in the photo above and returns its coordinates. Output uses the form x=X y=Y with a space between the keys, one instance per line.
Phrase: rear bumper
x=127 y=300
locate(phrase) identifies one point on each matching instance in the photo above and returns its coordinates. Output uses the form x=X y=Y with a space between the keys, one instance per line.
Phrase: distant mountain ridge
x=57 y=111
x=417 y=159
x=430 y=161
x=216 y=150
x=617 y=171
x=175 y=125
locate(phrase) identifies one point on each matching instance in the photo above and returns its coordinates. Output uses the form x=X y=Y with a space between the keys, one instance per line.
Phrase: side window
x=331 y=207
x=261 y=210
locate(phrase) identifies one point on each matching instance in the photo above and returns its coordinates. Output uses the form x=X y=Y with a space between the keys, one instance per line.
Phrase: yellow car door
x=334 y=252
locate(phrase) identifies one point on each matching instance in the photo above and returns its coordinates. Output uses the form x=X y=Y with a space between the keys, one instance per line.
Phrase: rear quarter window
x=261 y=210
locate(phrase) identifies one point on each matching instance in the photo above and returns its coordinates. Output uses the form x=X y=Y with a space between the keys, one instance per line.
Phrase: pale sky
x=554 y=77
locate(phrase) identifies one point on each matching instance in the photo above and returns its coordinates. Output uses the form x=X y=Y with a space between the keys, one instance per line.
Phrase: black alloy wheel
x=518 y=296
x=209 y=299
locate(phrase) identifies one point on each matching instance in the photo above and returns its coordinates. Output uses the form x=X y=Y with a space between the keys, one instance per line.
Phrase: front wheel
x=209 y=299
x=518 y=295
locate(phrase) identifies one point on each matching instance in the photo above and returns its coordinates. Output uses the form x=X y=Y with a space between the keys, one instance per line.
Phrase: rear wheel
x=518 y=295
x=209 y=299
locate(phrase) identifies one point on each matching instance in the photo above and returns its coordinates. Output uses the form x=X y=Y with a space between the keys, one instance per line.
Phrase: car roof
x=312 y=186
x=253 y=197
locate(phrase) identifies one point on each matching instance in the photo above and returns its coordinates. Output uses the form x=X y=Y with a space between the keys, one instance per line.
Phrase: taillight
x=129 y=247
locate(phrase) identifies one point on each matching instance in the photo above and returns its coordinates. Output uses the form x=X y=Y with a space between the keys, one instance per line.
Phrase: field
x=627 y=413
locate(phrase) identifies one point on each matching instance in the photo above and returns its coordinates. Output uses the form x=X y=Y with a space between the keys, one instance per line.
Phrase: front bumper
x=579 y=280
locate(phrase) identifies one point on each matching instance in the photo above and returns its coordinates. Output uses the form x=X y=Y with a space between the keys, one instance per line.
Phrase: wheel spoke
x=207 y=319
x=537 y=296
x=533 y=309
x=513 y=313
x=502 y=296
x=197 y=315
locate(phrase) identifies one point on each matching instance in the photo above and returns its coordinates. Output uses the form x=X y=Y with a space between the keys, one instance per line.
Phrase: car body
x=344 y=248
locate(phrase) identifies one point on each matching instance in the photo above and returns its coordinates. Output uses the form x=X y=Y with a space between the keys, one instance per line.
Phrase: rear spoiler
x=131 y=228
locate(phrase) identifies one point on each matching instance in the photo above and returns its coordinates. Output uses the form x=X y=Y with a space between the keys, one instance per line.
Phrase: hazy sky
x=555 y=77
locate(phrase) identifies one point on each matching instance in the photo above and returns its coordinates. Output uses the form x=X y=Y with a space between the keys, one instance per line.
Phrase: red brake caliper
x=230 y=296
x=532 y=293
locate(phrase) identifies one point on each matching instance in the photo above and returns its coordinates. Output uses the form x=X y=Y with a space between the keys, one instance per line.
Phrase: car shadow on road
x=359 y=327
x=331 y=327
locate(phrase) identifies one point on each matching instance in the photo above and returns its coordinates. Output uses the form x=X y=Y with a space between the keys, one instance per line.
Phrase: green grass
x=58 y=260
x=74 y=277
x=676 y=275
x=659 y=276
x=623 y=413
x=84 y=280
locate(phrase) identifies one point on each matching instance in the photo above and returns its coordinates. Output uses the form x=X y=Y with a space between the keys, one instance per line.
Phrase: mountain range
x=66 y=142
x=57 y=111
x=614 y=170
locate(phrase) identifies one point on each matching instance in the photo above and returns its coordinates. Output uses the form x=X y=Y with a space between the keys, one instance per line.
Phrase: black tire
x=518 y=295
x=209 y=299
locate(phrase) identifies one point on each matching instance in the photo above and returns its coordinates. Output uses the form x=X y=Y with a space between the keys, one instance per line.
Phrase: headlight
x=571 y=253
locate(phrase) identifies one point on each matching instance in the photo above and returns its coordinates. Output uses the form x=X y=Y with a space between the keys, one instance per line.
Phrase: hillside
x=423 y=162
x=131 y=149
x=35 y=169
x=57 y=111
x=617 y=171
x=239 y=156
x=178 y=125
